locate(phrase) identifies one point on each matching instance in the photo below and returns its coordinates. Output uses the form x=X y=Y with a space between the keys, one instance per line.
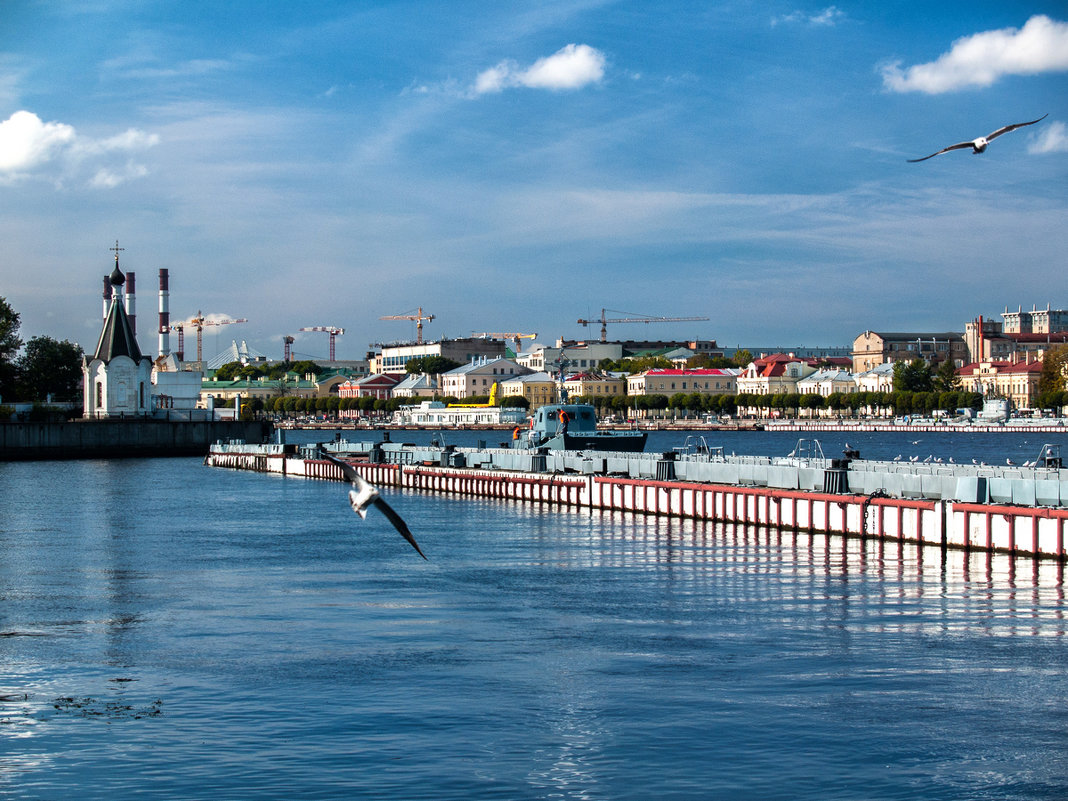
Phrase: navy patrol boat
x=573 y=427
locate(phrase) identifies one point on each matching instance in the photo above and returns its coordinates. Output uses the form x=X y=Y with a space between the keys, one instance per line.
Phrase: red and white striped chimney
x=164 y=314
x=131 y=302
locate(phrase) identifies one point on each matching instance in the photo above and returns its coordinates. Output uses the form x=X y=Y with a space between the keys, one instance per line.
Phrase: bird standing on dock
x=365 y=494
x=979 y=145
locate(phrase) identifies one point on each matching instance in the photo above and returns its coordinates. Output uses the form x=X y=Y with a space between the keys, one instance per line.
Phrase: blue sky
x=516 y=166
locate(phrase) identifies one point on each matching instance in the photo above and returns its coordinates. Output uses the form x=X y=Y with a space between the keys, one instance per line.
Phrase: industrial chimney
x=164 y=314
x=131 y=302
x=107 y=296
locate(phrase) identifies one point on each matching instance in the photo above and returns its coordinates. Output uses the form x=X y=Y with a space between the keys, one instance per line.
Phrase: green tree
x=945 y=378
x=227 y=371
x=1054 y=375
x=48 y=367
x=636 y=365
x=914 y=376
x=9 y=347
x=515 y=401
x=302 y=368
x=742 y=358
x=431 y=365
x=812 y=401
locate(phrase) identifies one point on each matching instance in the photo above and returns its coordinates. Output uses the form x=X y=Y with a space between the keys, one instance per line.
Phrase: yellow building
x=1017 y=381
x=590 y=385
x=538 y=388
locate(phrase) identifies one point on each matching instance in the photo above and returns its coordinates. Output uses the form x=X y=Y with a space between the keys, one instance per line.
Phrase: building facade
x=827 y=382
x=394 y=358
x=379 y=386
x=873 y=348
x=595 y=385
x=1036 y=321
x=477 y=377
x=703 y=381
x=1017 y=381
x=538 y=388
x=774 y=374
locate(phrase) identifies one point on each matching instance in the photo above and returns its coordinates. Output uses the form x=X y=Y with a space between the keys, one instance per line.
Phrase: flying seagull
x=365 y=494
x=979 y=145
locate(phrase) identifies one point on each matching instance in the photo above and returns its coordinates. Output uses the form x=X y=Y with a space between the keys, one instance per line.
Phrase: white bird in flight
x=365 y=494
x=979 y=145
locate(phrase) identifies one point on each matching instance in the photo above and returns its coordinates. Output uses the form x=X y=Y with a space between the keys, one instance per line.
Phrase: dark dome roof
x=117 y=278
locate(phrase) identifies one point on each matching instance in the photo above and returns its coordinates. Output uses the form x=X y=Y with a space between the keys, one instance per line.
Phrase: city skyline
x=516 y=167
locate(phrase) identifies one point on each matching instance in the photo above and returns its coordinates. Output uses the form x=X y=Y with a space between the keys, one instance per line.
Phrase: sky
x=518 y=166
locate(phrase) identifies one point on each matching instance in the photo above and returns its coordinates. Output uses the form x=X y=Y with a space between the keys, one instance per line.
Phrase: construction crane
x=418 y=317
x=516 y=338
x=634 y=319
x=288 y=341
x=198 y=322
x=333 y=331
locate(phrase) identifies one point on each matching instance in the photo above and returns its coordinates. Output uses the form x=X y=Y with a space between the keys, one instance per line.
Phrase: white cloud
x=571 y=67
x=828 y=16
x=110 y=178
x=1041 y=45
x=1054 y=139
x=29 y=146
x=26 y=142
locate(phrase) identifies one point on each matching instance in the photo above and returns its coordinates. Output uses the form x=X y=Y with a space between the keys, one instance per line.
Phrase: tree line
x=44 y=368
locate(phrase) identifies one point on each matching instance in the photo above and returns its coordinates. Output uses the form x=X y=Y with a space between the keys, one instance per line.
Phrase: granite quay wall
x=109 y=439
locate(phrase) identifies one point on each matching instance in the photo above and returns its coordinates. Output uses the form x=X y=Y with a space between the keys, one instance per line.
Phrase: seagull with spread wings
x=979 y=145
x=365 y=494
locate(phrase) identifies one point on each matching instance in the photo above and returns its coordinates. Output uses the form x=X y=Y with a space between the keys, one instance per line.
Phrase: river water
x=175 y=631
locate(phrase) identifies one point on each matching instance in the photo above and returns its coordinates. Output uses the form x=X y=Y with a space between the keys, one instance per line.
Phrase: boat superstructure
x=573 y=427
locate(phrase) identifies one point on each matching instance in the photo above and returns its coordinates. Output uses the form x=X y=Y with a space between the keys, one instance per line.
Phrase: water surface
x=176 y=631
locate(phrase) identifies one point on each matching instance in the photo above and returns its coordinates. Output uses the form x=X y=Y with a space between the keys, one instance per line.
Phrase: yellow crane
x=516 y=338
x=418 y=317
x=635 y=318
x=492 y=401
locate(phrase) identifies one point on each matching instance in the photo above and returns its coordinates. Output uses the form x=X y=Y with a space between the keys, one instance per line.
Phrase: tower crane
x=198 y=322
x=333 y=331
x=418 y=317
x=516 y=338
x=288 y=341
x=636 y=318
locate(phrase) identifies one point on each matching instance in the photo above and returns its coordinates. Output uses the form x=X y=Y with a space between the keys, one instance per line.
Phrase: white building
x=416 y=385
x=571 y=358
x=117 y=379
x=770 y=375
x=826 y=382
x=878 y=379
x=478 y=377
x=173 y=387
x=436 y=413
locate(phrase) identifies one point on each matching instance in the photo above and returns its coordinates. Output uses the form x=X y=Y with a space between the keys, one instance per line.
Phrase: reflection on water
x=175 y=631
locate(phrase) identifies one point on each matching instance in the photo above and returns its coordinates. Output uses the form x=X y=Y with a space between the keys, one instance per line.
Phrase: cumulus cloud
x=29 y=146
x=571 y=67
x=828 y=16
x=1054 y=139
x=26 y=142
x=1041 y=45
